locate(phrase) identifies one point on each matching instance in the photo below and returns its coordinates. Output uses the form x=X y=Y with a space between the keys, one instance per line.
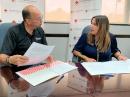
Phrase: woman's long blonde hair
x=102 y=40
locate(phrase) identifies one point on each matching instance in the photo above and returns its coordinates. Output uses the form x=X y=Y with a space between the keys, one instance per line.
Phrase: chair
x=11 y=93
x=76 y=59
x=3 y=29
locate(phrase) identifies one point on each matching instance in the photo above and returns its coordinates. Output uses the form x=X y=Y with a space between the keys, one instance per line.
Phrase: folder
x=108 y=67
x=42 y=73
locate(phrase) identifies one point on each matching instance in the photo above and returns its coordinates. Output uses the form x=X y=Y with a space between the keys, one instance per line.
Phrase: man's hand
x=17 y=59
x=50 y=59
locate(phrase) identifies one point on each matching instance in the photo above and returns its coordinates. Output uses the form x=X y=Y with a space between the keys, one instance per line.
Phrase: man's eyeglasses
x=38 y=18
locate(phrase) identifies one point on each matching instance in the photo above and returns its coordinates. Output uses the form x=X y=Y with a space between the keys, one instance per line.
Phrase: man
x=16 y=43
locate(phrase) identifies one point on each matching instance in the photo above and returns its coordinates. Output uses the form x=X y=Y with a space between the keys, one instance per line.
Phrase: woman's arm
x=114 y=48
x=119 y=56
x=83 y=57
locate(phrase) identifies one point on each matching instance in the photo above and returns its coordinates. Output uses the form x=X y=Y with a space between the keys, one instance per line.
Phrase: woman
x=96 y=45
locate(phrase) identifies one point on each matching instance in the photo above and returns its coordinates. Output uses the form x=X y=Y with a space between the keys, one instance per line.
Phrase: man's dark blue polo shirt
x=18 y=40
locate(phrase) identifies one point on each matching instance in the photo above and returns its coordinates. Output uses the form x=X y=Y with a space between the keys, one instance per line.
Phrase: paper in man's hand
x=37 y=53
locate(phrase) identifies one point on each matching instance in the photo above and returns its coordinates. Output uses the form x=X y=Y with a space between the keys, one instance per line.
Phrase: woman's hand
x=17 y=59
x=122 y=57
x=119 y=56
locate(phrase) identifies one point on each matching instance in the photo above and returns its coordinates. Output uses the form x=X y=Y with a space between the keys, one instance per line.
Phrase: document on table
x=37 y=53
x=109 y=67
x=38 y=74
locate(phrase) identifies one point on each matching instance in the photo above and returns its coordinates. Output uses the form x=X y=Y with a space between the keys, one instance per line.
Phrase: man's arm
x=3 y=58
x=15 y=59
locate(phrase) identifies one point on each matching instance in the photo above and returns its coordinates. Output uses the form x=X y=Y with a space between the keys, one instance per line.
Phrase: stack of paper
x=109 y=67
x=42 y=73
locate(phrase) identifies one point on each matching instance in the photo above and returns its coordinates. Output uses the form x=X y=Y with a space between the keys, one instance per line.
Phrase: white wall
x=58 y=30
x=60 y=50
x=120 y=29
x=123 y=42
